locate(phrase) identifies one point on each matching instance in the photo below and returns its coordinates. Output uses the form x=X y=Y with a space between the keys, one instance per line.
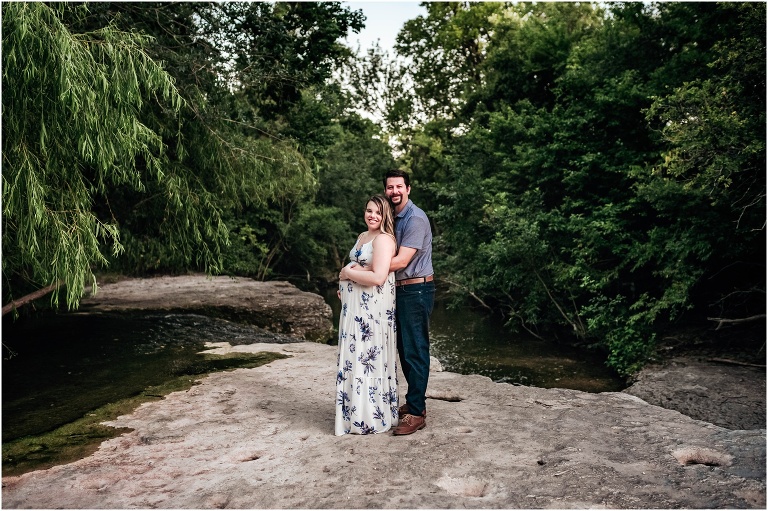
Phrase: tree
x=71 y=130
x=714 y=131
x=158 y=159
x=446 y=49
x=602 y=175
x=243 y=68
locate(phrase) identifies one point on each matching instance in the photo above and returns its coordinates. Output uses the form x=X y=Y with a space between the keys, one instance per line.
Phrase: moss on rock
x=82 y=437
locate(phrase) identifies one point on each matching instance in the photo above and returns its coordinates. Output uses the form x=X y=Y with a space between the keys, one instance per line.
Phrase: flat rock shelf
x=263 y=437
x=277 y=306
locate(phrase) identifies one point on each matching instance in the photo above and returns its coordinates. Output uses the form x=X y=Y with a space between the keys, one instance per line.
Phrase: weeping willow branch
x=87 y=89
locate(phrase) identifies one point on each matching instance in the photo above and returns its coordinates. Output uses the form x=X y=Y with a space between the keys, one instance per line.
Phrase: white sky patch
x=383 y=21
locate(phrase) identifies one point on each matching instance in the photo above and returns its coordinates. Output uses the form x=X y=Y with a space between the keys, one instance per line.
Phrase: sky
x=383 y=21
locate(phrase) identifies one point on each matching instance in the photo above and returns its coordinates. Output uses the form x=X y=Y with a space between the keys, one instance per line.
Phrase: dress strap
x=357 y=241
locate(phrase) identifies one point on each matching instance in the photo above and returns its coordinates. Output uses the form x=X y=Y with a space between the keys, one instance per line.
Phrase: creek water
x=58 y=368
x=467 y=341
x=470 y=342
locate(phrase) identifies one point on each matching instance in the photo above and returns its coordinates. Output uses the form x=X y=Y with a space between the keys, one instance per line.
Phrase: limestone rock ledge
x=277 y=306
x=263 y=438
x=729 y=396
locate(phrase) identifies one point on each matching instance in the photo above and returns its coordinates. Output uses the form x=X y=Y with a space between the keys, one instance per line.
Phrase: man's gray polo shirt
x=412 y=230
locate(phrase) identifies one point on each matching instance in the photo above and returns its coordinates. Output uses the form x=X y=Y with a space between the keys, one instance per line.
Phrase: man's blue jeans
x=414 y=306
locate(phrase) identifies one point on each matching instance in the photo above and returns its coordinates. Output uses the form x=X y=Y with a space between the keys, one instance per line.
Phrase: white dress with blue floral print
x=366 y=381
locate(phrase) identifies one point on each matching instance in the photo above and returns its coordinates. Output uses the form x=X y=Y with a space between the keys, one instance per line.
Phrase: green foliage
x=230 y=62
x=280 y=48
x=445 y=50
x=249 y=250
x=317 y=243
x=70 y=133
x=379 y=84
x=604 y=170
x=312 y=234
x=715 y=127
x=106 y=148
x=627 y=337
x=591 y=169
x=350 y=169
x=530 y=50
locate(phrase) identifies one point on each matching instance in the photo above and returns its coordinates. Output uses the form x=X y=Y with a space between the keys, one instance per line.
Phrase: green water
x=57 y=368
x=473 y=343
x=466 y=341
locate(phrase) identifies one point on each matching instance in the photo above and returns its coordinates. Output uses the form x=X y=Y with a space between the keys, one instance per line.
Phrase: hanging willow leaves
x=71 y=129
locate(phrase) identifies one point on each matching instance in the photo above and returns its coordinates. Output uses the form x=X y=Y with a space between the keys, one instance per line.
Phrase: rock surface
x=277 y=306
x=727 y=395
x=263 y=438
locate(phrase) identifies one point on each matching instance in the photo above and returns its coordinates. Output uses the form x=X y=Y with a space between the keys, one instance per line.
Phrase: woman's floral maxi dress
x=366 y=382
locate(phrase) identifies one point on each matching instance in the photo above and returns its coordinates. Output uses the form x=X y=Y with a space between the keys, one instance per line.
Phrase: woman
x=366 y=382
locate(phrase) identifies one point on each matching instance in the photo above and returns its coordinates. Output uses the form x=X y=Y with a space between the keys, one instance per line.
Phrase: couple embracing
x=387 y=294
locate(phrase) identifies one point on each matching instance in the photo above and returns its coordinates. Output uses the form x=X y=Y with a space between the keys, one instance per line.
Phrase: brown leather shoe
x=403 y=410
x=409 y=424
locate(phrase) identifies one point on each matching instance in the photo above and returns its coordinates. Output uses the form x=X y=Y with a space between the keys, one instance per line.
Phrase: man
x=414 y=296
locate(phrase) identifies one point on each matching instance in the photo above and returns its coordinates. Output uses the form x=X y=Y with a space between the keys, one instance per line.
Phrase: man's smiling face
x=397 y=192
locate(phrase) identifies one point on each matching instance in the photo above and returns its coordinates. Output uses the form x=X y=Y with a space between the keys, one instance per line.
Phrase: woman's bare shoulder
x=386 y=236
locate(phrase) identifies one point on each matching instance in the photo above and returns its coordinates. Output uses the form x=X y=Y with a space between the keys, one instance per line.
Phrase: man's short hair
x=397 y=173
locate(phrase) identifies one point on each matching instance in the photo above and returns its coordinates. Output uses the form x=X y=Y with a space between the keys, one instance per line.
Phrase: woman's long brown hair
x=387 y=217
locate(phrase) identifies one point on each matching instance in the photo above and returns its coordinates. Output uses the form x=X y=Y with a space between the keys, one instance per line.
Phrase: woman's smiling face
x=372 y=216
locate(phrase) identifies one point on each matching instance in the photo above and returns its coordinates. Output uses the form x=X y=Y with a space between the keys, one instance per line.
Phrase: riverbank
x=689 y=376
x=712 y=375
x=262 y=438
x=277 y=306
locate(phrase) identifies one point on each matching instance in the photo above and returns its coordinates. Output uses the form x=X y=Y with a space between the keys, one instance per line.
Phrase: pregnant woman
x=366 y=381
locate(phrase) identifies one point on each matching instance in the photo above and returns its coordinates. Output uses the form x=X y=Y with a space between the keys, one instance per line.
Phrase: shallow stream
x=467 y=341
x=66 y=365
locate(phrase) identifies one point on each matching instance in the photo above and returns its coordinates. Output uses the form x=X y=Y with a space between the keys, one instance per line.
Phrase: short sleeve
x=415 y=233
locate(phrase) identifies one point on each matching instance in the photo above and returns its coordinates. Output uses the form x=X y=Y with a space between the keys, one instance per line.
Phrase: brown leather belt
x=417 y=280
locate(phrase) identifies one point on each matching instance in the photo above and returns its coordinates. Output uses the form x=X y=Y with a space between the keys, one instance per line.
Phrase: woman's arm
x=383 y=250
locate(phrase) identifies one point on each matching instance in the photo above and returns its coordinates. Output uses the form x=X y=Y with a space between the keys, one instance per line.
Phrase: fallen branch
x=522 y=320
x=579 y=329
x=733 y=362
x=465 y=288
x=722 y=321
x=15 y=304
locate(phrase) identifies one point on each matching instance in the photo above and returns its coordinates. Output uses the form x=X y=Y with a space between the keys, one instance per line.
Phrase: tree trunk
x=15 y=304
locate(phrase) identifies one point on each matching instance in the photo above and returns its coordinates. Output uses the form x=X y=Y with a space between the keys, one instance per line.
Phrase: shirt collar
x=405 y=210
